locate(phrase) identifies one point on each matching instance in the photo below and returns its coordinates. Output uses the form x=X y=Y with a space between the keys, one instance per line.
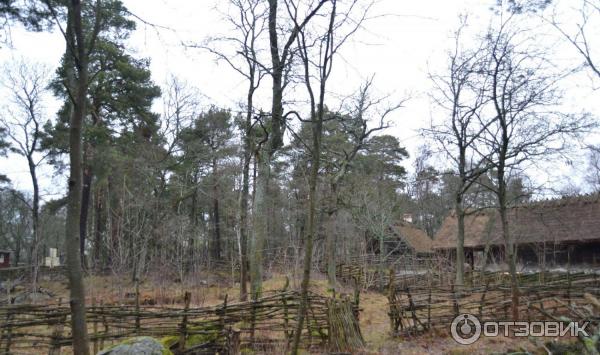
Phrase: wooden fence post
x=95 y=325
x=505 y=297
x=429 y=309
x=286 y=331
x=454 y=301
x=356 y=306
x=308 y=324
x=184 y=320
x=391 y=284
x=104 y=323
x=482 y=301
x=392 y=302
x=57 y=333
x=569 y=282
x=233 y=341
x=569 y=249
x=137 y=306
x=413 y=312
x=253 y=321
x=8 y=331
x=224 y=312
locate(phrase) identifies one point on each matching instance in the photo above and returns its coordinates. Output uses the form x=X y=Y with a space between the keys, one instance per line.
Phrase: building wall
x=4 y=259
x=556 y=255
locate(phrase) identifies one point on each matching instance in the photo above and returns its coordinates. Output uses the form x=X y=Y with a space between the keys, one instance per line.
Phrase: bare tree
x=581 y=34
x=326 y=47
x=592 y=176
x=317 y=47
x=528 y=125
x=249 y=23
x=461 y=93
x=366 y=115
x=273 y=137
x=376 y=213
x=181 y=106
x=253 y=24
x=26 y=83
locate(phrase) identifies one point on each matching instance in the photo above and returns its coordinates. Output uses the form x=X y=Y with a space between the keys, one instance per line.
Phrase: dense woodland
x=296 y=184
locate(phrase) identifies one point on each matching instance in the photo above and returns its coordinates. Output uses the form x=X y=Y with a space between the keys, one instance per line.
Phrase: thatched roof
x=572 y=219
x=415 y=237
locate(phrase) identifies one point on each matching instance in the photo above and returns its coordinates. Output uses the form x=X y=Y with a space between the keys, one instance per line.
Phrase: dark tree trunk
x=259 y=223
x=509 y=247
x=263 y=160
x=85 y=203
x=100 y=228
x=317 y=113
x=460 y=214
x=76 y=50
x=17 y=252
x=244 y=211
x=194 y=218
x=35 y=211
x=460 y=243
x=317 y=129
x=216 y=216
x=330 y=238
x=114 y=215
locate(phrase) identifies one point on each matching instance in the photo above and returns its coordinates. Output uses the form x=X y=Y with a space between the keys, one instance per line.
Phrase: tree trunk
x=460 y=243
x=330 y=238
x=330 y=245
x=76 y=42
x=380 y=265
x=264 y=156
x=460 y=214
x=216 y=216
x=194 y=218
x=512 y=263
x=317 y=133
x=85 y=203
x=100 y=228
x=35 y=211
x=263 y=160
x=312 y=226
x=114 y=215
x=17 y=252
x=260 y=223
x=244 y=211
x=508 y=243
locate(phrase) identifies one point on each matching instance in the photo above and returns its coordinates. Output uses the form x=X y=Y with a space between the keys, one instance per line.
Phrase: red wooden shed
x=4 y=258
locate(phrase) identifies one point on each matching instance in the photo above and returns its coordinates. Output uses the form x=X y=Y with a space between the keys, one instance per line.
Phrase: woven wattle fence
x=369 y=272
x=264 y=325
x=420 y=304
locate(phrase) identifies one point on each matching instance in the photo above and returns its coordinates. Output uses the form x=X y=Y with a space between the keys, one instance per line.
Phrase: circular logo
x=465 y=329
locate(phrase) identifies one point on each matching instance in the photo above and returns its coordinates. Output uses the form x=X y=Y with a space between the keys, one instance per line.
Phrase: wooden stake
x=57 y=334
x=183 y=327
x=95 y=326
x=137 y=306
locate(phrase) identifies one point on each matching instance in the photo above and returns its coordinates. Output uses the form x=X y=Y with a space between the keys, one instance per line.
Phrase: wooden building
x=546 y=233
x=4 y=258
x=408 y=239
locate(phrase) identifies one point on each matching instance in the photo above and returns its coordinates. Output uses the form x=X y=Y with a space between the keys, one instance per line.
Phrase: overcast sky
x=402 y=42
